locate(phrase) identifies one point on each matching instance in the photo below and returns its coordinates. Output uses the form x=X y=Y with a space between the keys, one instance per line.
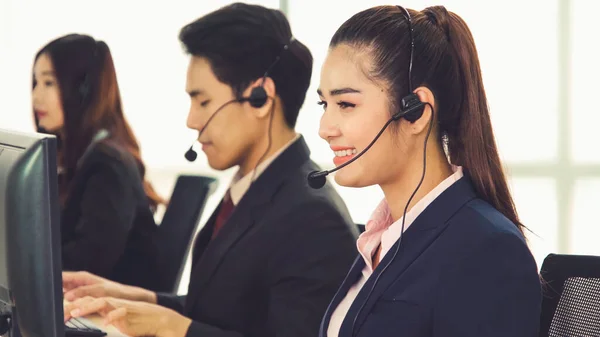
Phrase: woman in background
x=444 y=253
x=107 y=222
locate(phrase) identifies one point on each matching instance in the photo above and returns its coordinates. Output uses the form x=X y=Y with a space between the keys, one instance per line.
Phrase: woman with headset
x=444 y=254
x=107 y=222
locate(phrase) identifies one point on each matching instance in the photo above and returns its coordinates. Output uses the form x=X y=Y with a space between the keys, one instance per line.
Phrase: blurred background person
x=107 y=222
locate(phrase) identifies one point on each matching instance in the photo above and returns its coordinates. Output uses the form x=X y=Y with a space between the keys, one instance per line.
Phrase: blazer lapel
x=422 y=232
x=201 y=243
x=351 y=278
x=203 y=238
x=247 y=212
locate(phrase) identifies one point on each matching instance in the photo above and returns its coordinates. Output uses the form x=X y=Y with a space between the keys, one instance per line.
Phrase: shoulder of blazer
x=480 y=235
x=110 y=154
x=475 y=225
x=105 y=161
x=107 y=156
x=488 y=220
x=296 y=199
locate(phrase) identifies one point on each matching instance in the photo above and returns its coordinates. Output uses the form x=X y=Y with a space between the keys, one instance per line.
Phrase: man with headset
x=274 y=252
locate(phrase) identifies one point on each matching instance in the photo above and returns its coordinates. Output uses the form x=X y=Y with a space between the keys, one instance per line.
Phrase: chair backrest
x=179 y=224
x=571 y=301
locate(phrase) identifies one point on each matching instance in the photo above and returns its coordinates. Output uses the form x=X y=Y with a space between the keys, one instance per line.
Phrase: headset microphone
x=191 y=154
x=412 y=110
x=317 y=179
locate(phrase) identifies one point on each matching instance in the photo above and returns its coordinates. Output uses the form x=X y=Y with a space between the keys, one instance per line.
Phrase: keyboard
x=76 y=328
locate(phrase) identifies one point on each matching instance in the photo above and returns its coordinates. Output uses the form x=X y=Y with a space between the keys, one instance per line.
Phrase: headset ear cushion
x=258 y=97
x=84 y=90
x=412 y=108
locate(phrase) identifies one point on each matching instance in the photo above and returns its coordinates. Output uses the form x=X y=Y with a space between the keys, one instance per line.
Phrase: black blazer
x=463 y=270
x=107 y=226
x=277 y=261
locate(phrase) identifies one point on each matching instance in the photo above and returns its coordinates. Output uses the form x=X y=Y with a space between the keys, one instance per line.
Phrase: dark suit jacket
x=463 y=270
x=278 y=260
x=107 y=226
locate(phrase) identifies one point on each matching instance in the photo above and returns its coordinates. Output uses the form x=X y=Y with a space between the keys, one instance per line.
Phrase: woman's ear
x=421 y=125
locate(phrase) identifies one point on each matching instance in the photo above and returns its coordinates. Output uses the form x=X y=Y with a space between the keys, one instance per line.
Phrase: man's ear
x=269 y=87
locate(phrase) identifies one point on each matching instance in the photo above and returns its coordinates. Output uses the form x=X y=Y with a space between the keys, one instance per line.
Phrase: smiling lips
x=342 y=154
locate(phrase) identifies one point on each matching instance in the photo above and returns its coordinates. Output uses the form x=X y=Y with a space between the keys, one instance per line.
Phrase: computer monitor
x=30 y=261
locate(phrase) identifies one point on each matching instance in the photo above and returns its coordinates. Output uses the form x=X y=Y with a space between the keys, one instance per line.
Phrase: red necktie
x=224 y=212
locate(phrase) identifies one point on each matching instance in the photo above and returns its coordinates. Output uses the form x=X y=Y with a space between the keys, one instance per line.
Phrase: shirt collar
x=382 y=229
x=382 y=216
x=240 y=185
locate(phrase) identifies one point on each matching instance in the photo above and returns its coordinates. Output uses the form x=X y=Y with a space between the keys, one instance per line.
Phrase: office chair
x=361 y=228
x=179 y=224
x=571 y=296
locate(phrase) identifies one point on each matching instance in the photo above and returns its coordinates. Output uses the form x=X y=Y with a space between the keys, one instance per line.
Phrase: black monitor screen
x=8 y=156
x=30 y=263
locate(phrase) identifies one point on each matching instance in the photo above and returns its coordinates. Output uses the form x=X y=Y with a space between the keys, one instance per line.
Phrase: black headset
x=85 y=86
x=411 y=107
x=258 y=96
x=84 y=89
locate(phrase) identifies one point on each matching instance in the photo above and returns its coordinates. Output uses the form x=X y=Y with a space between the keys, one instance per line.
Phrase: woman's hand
x=81 y=284
x=132 y=318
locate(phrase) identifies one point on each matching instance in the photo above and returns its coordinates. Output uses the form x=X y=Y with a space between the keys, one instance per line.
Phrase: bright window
x=585 y=116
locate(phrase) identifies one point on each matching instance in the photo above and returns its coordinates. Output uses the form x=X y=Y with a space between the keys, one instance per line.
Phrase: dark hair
x=91 y=102
x=241 y=41
x=446 y=62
